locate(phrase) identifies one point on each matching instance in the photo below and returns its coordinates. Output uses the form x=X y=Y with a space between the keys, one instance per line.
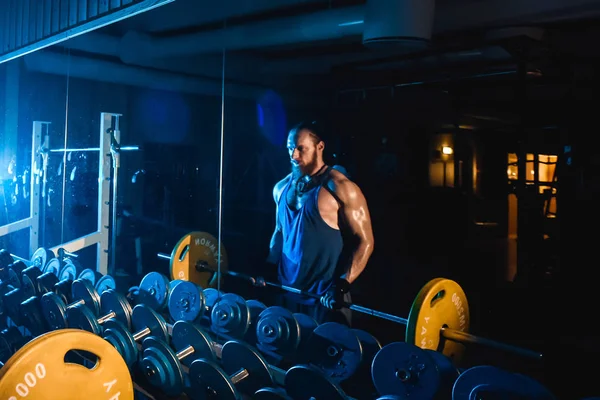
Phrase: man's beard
x=298 y=171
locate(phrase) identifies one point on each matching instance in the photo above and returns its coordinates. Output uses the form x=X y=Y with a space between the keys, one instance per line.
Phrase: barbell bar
x=69 y=150
x=446 y=333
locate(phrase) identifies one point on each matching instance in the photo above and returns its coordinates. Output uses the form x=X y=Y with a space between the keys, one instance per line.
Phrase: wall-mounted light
x=447 y=150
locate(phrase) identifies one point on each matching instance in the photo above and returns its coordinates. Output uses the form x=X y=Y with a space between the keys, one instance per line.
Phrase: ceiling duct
x=403 y=24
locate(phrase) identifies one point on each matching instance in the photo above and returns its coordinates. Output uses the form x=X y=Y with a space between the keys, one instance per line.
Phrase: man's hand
x=259 y=281
x=334 y=298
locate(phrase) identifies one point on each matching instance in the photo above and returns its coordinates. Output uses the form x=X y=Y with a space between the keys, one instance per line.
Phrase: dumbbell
x=306 y=381
x=113 y=305
x=54 y=308
x=162 y=364
x=244 y=370
x=235 y=318
x=271 y=393
x=144 y=322
x=154 y=290
x=189 y=302
x=405 y=370
x=282 y=334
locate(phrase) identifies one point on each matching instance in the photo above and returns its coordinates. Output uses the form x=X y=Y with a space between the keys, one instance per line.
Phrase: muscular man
x=323 y=236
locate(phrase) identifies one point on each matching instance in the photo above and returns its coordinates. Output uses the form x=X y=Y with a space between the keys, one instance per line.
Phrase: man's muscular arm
x=276 y=244
x=355 y=213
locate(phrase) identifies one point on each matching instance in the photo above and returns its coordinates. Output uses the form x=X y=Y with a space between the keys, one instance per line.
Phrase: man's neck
x=317 y=169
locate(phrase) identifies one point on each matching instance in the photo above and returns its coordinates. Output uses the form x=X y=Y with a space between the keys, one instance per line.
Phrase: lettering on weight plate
x=210 y=244
x=462 y=318
x=30 y=380
x=108 y=386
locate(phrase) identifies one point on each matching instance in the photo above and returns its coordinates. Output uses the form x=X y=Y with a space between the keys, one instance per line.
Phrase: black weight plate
x=230 y=316
x=119 y=336
x=90 y=275
x=154 y=291
x=370 y=346
x=278 y=331
x=209 y=381
x=41 y=257
x=12 y=303
x=83 y=290
x=13 y=275
x=115 y=304
x=270 y=393
x=104 y=283
x=81 y=317
x=161 y=366
x=335 y=349
x=33 y=320
x=185 y=334
x=186 y=302
x=144 y=317
x=305 y=382
x=255 y=307
x=53 y=265
x=447 y=371
x=63 y=289
x=5 y=260
x=237 y=355
x=29 y=280
x=45 y=282
x=405 y=370
x=54 y=311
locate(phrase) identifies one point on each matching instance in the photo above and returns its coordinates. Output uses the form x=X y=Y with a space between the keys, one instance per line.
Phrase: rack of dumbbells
x=68 y=333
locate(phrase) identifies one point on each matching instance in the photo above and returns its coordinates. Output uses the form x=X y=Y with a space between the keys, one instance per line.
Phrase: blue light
x=261 y=115
x=351 y=23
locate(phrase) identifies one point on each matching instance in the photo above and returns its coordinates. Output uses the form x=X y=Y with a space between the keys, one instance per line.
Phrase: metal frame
x=109 y=123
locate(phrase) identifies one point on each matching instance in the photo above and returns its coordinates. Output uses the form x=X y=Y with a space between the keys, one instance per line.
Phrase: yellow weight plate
x=38 y=370
x=193 y=249
x=441 y=303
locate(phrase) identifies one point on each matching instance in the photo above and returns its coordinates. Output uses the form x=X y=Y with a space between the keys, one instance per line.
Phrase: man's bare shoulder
x=341 y=185
x=279 y=186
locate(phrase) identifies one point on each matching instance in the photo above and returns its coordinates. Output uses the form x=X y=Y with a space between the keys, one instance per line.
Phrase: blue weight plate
x=255 y=307
x=211 y=296
x=405 y=370
x=121 y=338
x=89 y=275
x=309 y=382
x=230 y=316
x=80 y=317
x=237 y=355
x=161 y=367
x=185 y=334
x=28 y=281
x=41 y=257
x=186 y=302
x=270 y=393
x=370 y=346
x=447 y=371
x=115 y=304
x=68 y=270
x=154 y=290
x=45 y=282
x=485 y=378
x=209 y=381
x=83 y=290
x=53 y=265
x=143 y=317
x=278 y=331
x=307 y=326
x=54 y=311
x=105 y=282
x=336 y=350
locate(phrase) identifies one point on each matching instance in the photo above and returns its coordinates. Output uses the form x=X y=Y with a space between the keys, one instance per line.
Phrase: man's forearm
x=358 y=261
x=275 y=248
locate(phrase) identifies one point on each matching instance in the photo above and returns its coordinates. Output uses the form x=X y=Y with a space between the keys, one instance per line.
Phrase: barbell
x=438 y=319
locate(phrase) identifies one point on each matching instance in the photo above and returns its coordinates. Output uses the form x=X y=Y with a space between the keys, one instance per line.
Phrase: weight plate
x=115 y=304
x=5 y=260
x=441 y=303
x=68 y=270
x=255 y=307
x=211 y=296
x=45 y=282
x=161 y=367
x=79 y=316
x=447 y=370
x=230 y=316
x=278 y=331
x=486 y=381
x=144 y=317
x=237 y=355
x=53 y=265
x=121 y=338
x=154 y=291
x=303 y=382
x=90 y=275
x=38 y=370
x=197 y=248
x=12 y=303
x=186 y=302
x=269 y=393
x=63 y=289
x=54 y=311
x=104 y=283
x=307 y=326
x=404 y=370
x=32 y=318
x=336 y=350
x=29 y=280
x=41 y=257
x=185 y=334
x=209 y=381
x=370 y=346
x=83 y=290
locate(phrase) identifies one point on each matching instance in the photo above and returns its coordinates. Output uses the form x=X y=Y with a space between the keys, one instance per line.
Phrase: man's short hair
x=313 y=127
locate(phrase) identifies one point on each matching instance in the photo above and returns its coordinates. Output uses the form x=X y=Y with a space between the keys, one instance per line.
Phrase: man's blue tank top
x=311 y=248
